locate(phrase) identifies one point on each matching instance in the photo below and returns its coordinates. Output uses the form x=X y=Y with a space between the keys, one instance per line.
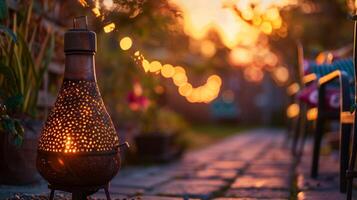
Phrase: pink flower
x=136 y=102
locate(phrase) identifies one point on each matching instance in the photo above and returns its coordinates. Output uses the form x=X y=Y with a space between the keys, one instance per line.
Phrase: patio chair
x=351 y=173
x=306 y=120
x=298 y=125
x=340 y=72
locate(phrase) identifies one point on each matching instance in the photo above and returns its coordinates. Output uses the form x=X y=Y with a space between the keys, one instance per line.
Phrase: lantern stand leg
x=106 y=190
x=52 y=194
x=79 y=196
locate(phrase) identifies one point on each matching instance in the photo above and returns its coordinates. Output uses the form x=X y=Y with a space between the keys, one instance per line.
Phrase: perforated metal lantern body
x=78 y=145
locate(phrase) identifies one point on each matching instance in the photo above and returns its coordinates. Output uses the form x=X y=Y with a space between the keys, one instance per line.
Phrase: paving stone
x=139 y=171
x=268 y=161
x=23 y=196
x=258 y=193
x=229 y=198
x=216 y=174
x=248 y=181
x=270 y=170
x=125 y=190
x=140 y=182
x=321 y=183
x=101 y=196
x=321 y=195
x=326 y=186
x=231 y=156
x=328 y=166
x=154 y=198
x=277 y=154
x=250 y=157
x=196 y=188
x=8 y=190
x=200 y=158
x=226 y=165
x=188 y=164
x=255 y=166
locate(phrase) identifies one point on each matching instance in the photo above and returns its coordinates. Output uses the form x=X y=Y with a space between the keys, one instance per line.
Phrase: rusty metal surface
x=79 y=122
x=78 y=170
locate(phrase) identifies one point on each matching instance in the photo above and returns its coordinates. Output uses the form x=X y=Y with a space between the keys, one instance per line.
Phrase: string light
x=262 y=17
x=83 y=3
x=202 y=94
x=167 y=71
x=155 y=66
x=109 y=28
x=126 y=43
x=96 y=9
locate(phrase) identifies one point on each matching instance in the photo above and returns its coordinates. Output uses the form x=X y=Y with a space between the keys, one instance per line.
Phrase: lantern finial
x=80 y=22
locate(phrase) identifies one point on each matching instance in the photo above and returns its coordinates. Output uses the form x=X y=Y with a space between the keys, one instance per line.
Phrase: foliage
x=203 y=135
x=150 y=115
x=23 y=63
x=11 y=125
x=170 y=122
x=151 y=25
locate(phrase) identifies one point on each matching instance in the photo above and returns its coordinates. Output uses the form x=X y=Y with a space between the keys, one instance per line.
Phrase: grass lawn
x=202 y=135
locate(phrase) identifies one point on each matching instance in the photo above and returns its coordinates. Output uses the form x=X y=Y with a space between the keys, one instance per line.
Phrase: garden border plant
x=23 y=63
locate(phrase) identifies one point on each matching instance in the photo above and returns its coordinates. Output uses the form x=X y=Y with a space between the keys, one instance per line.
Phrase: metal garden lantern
x=78 y=151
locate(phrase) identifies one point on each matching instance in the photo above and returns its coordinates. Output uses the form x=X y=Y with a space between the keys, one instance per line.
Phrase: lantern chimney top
x=80 y=22
x=80 y=40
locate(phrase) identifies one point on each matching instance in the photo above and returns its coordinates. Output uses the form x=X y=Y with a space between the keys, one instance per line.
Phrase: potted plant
x=22 y=66
x=161 y=141
x=160 y=129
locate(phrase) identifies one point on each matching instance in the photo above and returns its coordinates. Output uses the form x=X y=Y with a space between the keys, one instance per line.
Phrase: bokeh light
x=180 y=79
x=109 y=27
x=186 y=89
x=293 y=110
x=253 y=74
x=208 y=48
x=167 y=71
x=240 y=57
x=155 y=66
x=126 y=43
x=228 y=96
x=280 y=75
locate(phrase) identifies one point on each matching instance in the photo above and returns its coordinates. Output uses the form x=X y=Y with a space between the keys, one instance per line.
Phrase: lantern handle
x=352 y=17
x=124 y=145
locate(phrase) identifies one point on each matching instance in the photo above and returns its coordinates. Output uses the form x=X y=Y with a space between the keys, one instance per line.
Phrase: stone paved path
x=326 y=186
x=252 y=165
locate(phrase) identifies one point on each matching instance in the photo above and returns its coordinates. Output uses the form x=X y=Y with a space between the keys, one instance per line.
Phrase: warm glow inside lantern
x=78 y=148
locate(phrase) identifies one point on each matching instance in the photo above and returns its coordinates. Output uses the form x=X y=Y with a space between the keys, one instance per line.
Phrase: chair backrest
x=300 y=54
